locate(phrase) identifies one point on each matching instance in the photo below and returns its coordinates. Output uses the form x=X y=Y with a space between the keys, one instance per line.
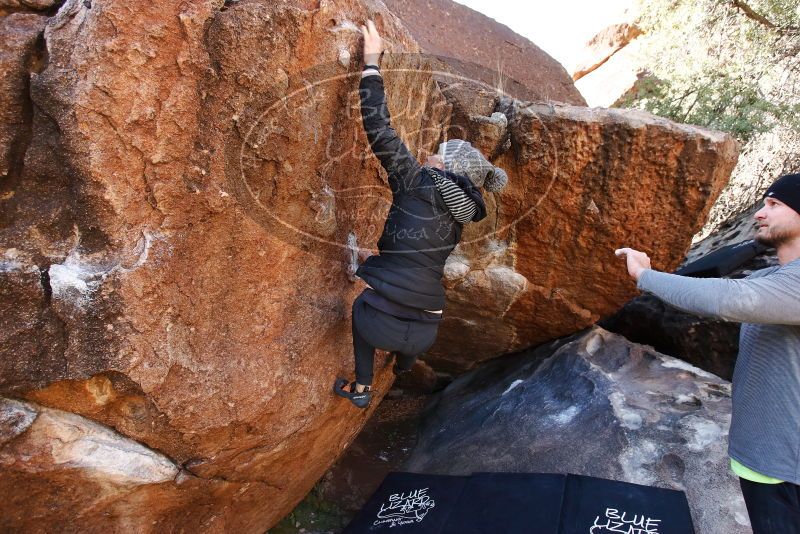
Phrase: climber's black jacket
x=419 y=232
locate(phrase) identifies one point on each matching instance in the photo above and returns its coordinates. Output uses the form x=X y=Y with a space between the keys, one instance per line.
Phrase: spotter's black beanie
x=787 y=190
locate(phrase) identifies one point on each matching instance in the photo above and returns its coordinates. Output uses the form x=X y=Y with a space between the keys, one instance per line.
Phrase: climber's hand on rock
x=361 y=257
x=637 y=261
x=373 y=45
x=363 y=254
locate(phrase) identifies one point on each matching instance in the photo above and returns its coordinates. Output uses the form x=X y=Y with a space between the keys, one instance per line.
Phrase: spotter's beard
x=775 y=237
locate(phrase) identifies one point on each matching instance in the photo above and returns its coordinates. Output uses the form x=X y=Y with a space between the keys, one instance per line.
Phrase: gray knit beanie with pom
x=460 y=157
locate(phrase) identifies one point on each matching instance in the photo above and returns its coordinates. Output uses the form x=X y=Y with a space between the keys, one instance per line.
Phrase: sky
x=560 y=27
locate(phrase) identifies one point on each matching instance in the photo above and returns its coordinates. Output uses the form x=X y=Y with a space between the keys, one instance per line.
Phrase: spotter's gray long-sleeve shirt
x=765 y=423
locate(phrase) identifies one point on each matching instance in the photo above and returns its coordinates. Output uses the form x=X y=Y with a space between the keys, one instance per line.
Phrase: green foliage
x=725 y=64
x=313 y=515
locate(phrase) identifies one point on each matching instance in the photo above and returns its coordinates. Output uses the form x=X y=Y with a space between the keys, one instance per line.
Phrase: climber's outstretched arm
x=401 y=166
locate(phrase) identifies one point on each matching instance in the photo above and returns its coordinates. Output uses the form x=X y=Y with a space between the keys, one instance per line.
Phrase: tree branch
x=750 y=13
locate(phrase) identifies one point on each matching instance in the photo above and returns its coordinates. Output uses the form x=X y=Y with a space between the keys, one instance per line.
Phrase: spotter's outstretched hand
x=636 y=261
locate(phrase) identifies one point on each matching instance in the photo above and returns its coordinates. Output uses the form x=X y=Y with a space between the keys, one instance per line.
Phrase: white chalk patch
x=344 y=57
x=675 y=363
x=15 y=418
x=323 y=203
x=9 y=266
x=741 y=517
x=508 y=277
x=594 y=344
x=496 y=247
x=635 y=459
x=345 y=26
x=71 y=281
x=76 y=442
x=566 y=416
x=143 y=249
x=74 y=280
x=499 y=118
x=9 y=262
x=738 y=510
x=514 y=384
x=352 y=248
x=456 y=267
x=700 y=433
x=628 y=418
x=686 y=399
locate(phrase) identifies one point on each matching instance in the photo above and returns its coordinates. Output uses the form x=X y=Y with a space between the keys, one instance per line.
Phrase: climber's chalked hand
x=373 y=45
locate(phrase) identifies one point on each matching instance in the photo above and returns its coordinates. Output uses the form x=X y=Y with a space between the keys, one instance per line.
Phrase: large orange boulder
x=177 y=223
x=146 y=297
x=583 y=182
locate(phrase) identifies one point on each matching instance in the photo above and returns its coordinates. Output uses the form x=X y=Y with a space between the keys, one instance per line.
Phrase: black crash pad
x=520 y=503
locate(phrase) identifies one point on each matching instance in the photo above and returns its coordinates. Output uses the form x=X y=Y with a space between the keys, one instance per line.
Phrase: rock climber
x=764 y=439
x=402 y=306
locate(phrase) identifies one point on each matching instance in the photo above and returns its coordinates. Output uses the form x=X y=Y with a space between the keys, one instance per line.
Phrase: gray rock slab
x=593 y=404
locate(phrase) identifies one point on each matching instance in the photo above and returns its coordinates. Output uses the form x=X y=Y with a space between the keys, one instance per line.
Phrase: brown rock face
x=142 y=290
x=18 y=35
x=183 y=191
x=583 y=183
x=37 y=5
x=474 y=45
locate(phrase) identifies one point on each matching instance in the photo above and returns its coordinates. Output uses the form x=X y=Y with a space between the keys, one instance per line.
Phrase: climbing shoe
x=361 y=400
